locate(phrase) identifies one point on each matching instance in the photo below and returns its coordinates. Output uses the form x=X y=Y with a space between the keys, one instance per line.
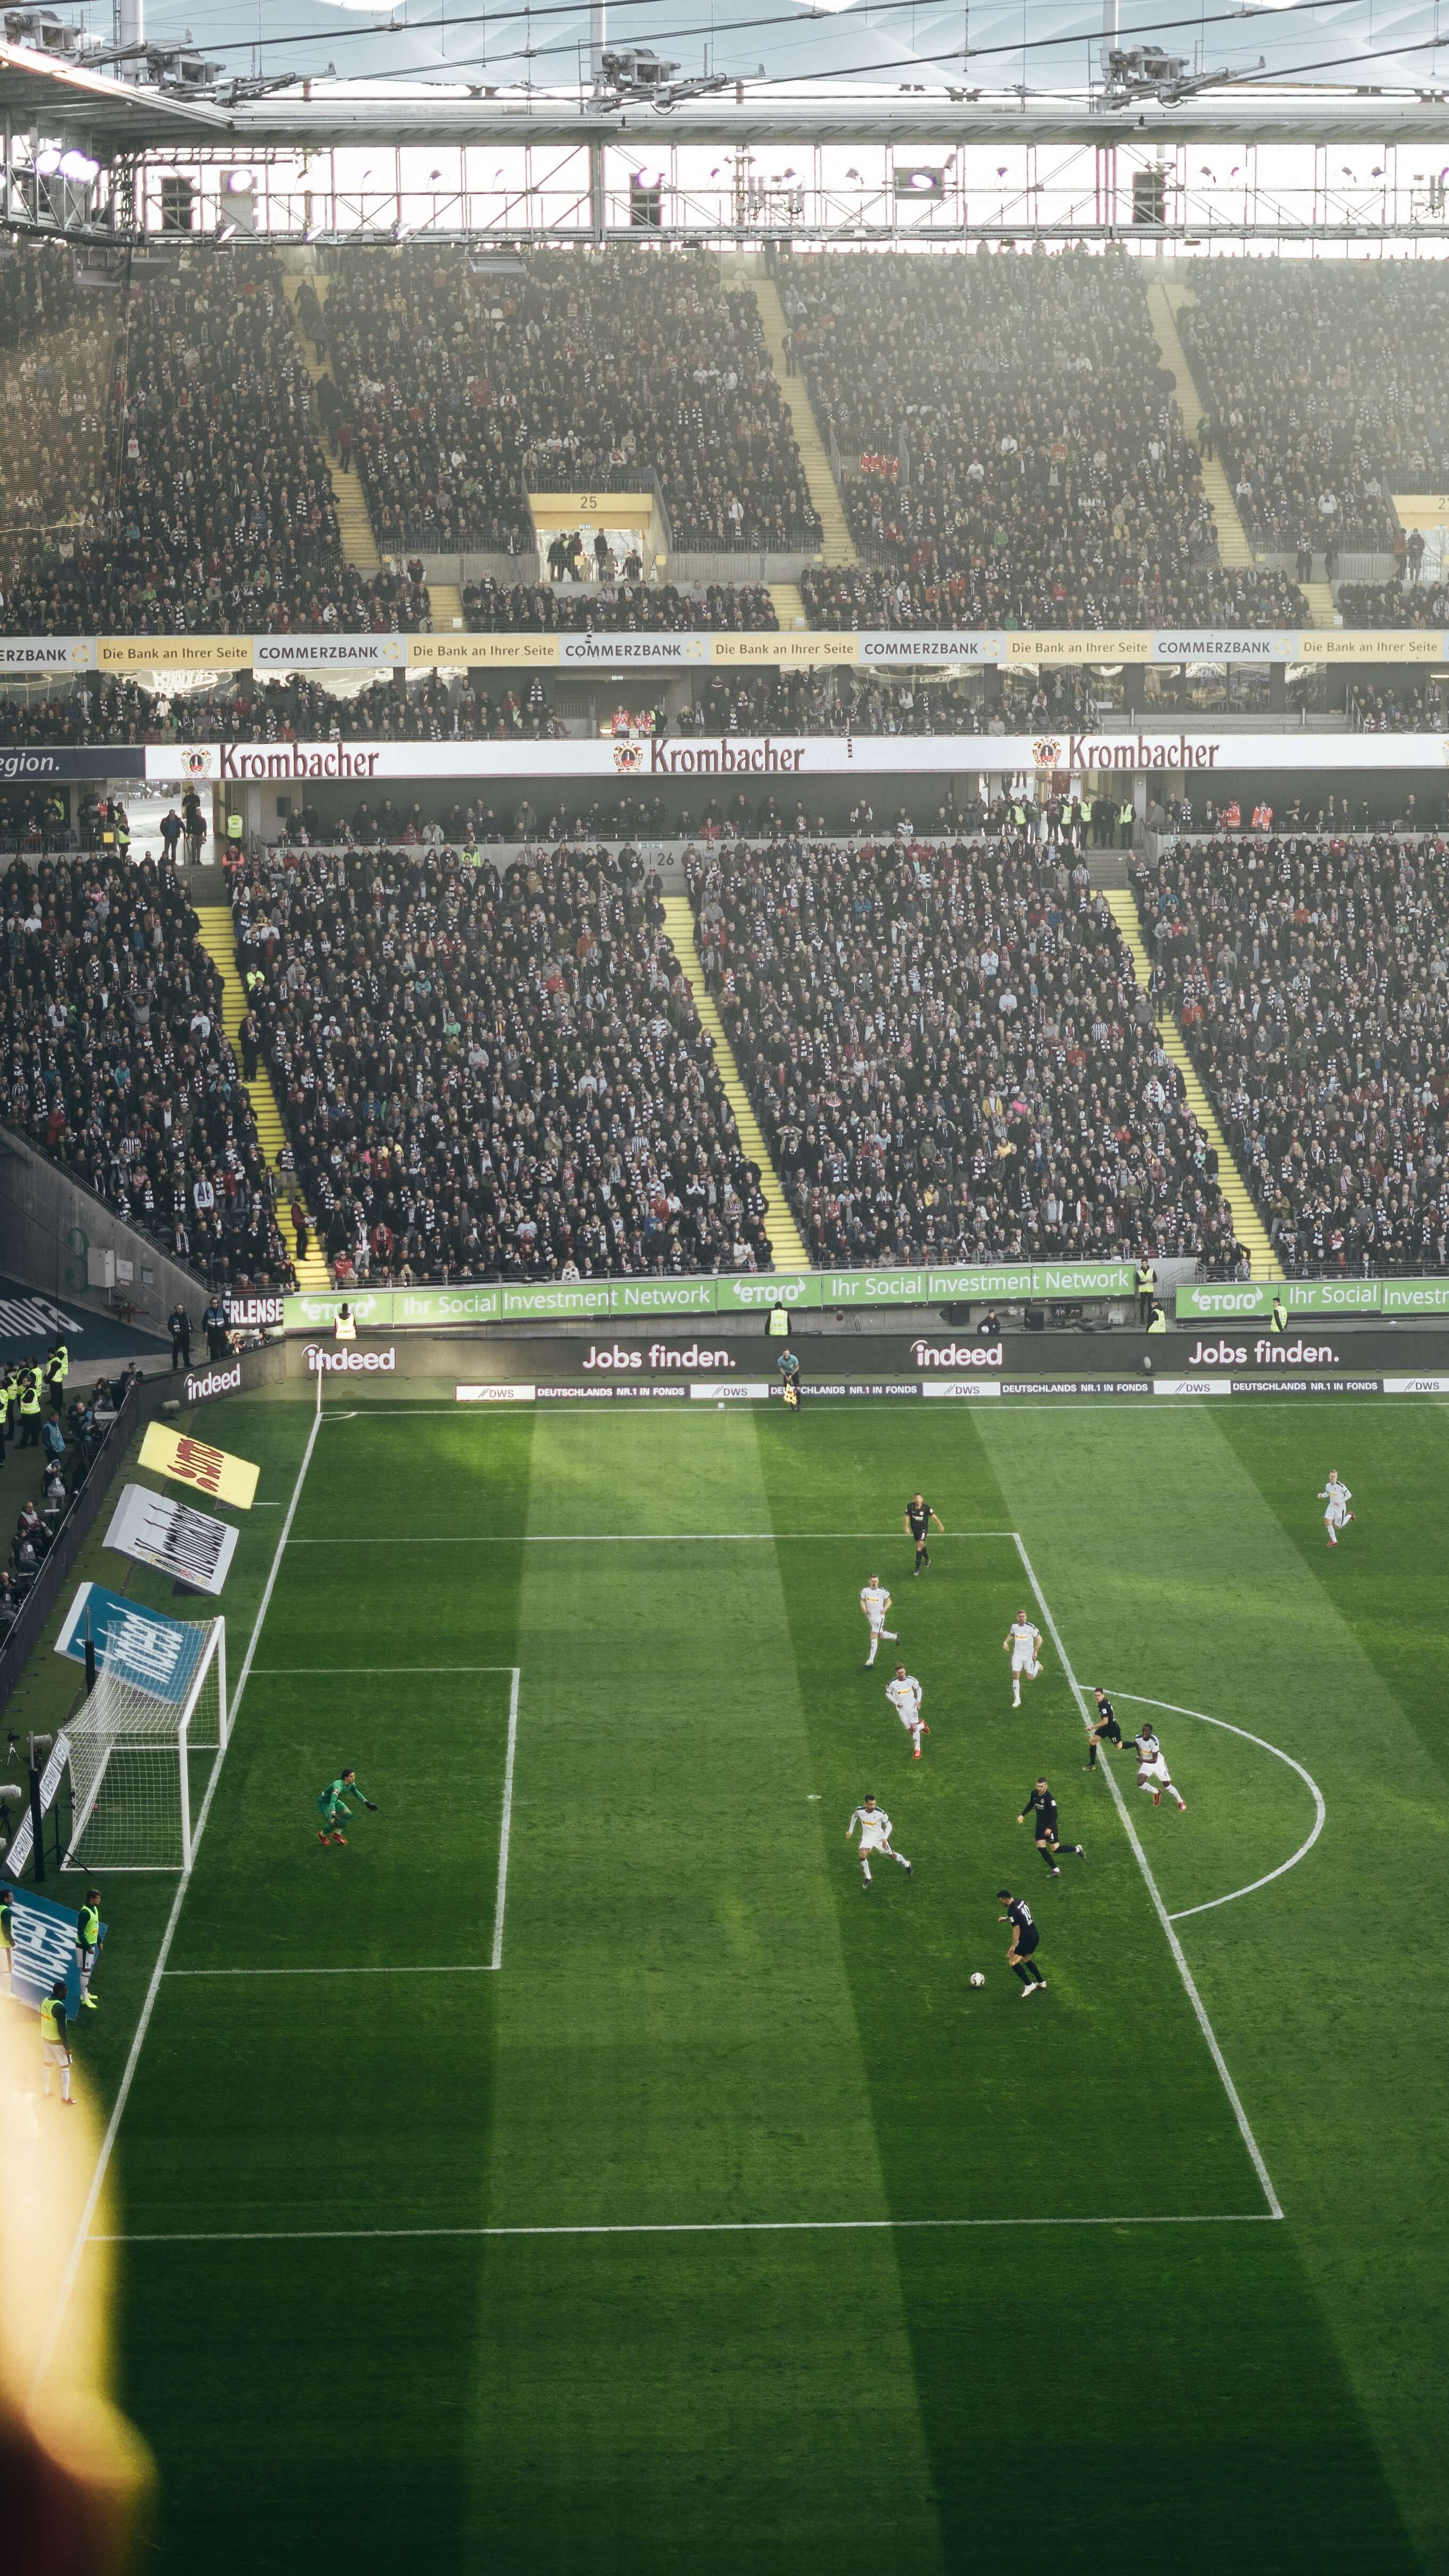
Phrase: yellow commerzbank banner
x=1072 y=644
x=174 y=652
x=1387 y=644
x=196 y=1463
x=786 y=652
x=497 y=652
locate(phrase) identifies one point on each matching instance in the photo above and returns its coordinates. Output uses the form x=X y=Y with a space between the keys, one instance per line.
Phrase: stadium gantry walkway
x=1248 y=1225
x=784 y=1234
x=837 y=545
x=354 y=526
x=219 y=941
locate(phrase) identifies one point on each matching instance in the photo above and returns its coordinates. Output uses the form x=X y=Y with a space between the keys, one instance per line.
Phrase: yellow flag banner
x=196 y=1463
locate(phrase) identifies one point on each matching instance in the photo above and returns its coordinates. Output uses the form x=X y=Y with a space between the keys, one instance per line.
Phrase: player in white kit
x=875 y=1601
x=1152 y=1772
x=905 y=1696
x=875 y=1836
x=1335 y=1499
x=1023 y=1643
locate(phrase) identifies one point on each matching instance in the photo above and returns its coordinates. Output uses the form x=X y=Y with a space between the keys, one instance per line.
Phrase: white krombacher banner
x=1170 y=756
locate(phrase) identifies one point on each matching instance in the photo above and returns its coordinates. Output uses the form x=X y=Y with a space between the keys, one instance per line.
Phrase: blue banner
x=44 y=1949
x=143 y=1646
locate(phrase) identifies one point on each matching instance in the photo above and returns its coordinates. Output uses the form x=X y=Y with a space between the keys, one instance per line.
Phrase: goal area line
x=668 y=2227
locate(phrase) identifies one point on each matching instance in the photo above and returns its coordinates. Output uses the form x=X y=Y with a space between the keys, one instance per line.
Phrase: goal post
x=130 y=1754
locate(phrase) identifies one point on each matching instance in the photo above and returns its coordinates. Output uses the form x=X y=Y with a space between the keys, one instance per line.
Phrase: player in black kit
x=1041 y=1803
x=919 y=1517
x=1024 y=1940
x=1105 y=1728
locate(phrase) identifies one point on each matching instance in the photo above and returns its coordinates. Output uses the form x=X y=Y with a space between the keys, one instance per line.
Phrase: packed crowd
x=620 y=608
x=488 y=1080
x=57 y=366
x=1390 y=603
x=1326 y=383
x=1395 y=707
x=842 y=702
x=64 y=1428
x=218 y=512
x=949 y=1056
x=989 y=490
x=1311 y=976
x=459 y=389
x=113 y=1059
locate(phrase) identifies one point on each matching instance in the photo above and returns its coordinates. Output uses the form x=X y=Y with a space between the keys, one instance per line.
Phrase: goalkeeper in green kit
x=333 y=1808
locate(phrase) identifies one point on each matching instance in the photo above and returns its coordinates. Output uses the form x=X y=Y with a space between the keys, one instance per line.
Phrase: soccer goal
x=129 y=1754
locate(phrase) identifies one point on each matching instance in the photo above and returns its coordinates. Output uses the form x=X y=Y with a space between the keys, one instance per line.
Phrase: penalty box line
x=631 y=1538
x=1275 y=2207
x=669 y=2227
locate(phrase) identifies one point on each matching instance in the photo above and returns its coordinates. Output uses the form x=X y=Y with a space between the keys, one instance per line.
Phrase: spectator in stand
x=949 y=1055
x=495 y=1081
x=1310 y=974
x=113 y=1059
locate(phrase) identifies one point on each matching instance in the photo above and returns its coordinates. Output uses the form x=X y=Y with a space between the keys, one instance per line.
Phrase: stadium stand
x=459 y=392
x=1308 y=974
x=618 y=608
x=1325 y=383
x=218 y=513
x=951 y=1058
x=57 y=359
x=488 y=1080
x=982 y=489
x=113 y=1059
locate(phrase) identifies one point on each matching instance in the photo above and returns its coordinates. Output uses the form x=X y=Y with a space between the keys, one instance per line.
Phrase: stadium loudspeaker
x=1035 y=1319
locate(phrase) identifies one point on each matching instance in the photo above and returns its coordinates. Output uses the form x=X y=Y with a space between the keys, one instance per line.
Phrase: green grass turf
x=700 y=2021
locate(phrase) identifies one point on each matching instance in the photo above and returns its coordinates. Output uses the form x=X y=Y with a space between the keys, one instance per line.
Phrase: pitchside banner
x=44 y=1948
x=1239 y=1301
x=194 y=1462
x=190 y=1546
x=740 y=757
x=387 y=1310
x=143 y=1646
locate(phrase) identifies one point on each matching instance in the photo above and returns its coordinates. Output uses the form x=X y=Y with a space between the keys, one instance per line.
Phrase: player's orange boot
x=340 y=1838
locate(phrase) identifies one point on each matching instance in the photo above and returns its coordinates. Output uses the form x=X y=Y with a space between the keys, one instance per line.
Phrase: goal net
x=130 y=1755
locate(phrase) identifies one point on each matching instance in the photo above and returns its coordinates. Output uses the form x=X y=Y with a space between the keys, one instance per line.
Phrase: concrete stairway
x=784 y=1234
x=313 y=1277
x=1164 y=303
x=354 y=527
x=837 y=546
x=1320 y=602
x=1248 y=1225
x=788 y=605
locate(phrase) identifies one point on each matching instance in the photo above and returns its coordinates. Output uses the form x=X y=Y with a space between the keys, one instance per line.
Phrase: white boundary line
x=465 y=1968
x=679 y=2227
x=285 y=1672
x=505 y=1827
x=628 y=1538
x=168 y=1936
x=1320 y=1815
x=1275 y=2206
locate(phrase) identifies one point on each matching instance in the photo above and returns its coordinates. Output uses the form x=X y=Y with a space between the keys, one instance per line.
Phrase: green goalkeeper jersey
x=335 y=1796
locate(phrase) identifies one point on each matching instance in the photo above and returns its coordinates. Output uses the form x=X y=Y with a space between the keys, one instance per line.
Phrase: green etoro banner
x=383 y=1310
x=1230 y=1300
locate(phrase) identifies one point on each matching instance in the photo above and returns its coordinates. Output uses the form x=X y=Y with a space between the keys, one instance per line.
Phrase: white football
x=978 y=1979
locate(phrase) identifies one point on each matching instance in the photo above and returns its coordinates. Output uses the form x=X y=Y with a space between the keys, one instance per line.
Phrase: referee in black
x=919 y=1517
x=1040 y=1803
x=1105 y=1729
x=1024 y=1941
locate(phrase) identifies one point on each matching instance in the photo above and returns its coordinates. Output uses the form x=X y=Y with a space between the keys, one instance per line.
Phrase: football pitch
x=577 y=2172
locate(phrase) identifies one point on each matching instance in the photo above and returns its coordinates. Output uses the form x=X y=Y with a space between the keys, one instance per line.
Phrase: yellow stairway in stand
x=1163 y=305
x=1248 y=1225
x=784 y=1234
x=1320 y=602
x=354 y=527
x=787 y=603
x=313 y=1277
x=837 y=545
